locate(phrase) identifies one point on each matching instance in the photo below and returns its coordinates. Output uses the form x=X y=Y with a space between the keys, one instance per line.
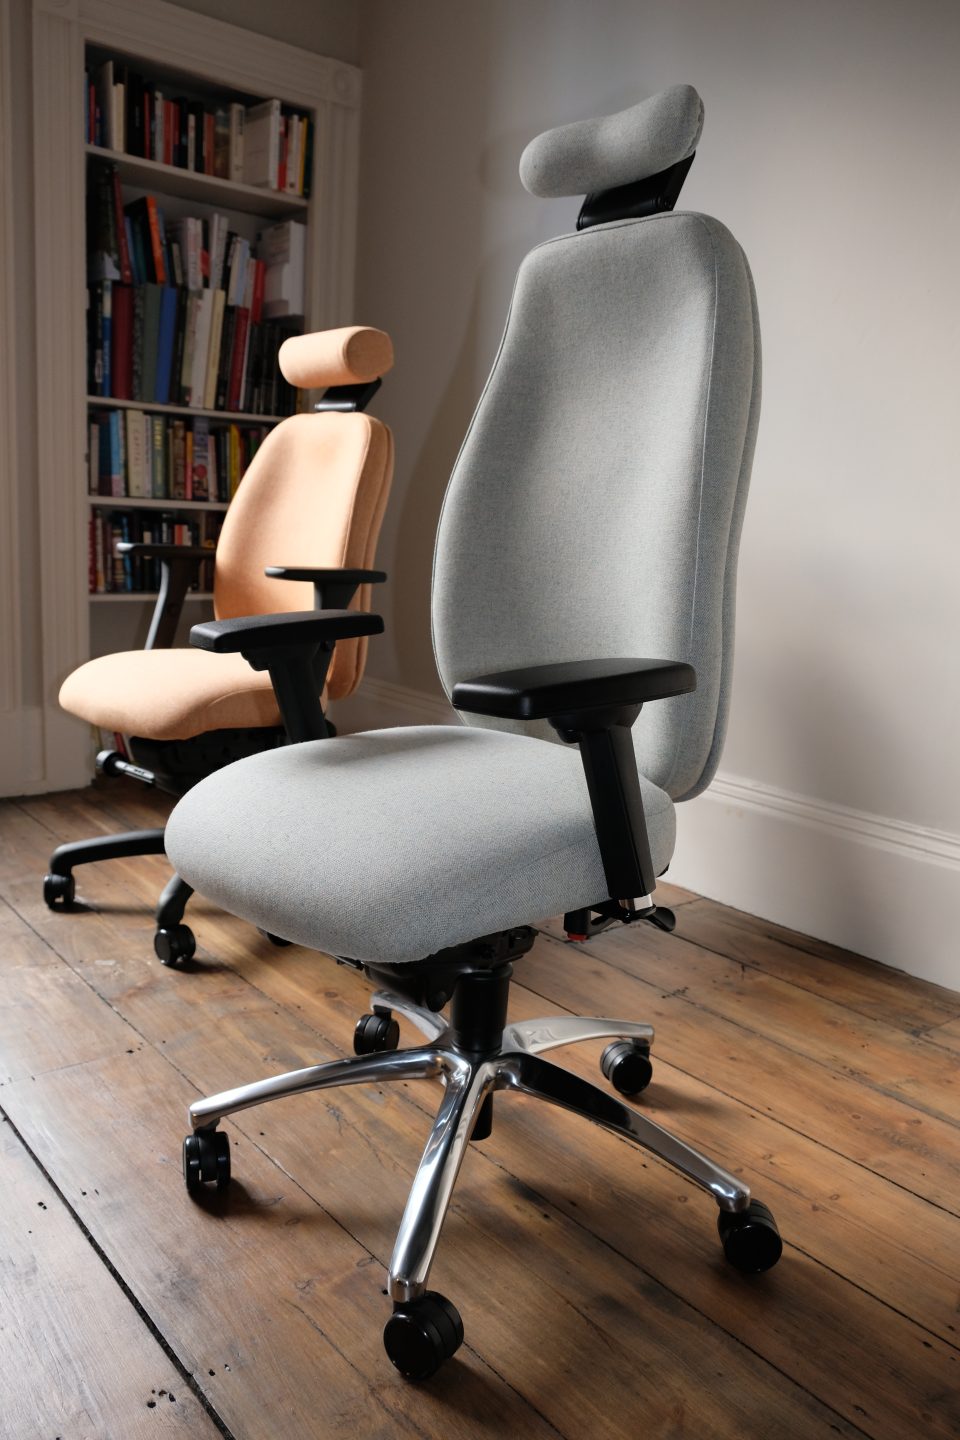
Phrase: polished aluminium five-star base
x=468 y=1080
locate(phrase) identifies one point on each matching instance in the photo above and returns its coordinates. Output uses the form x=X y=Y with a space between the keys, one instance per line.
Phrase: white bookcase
x=158 y=39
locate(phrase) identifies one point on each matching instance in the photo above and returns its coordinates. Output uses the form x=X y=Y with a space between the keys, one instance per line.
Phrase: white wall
x=829 y=149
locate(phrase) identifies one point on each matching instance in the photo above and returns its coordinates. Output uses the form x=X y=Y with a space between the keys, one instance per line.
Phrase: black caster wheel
x=627 y=1065
x=274 y=939
x=206 y=1160
x=421 y=1334
x=58 y=891
x=751 y=1240
x=175 y=945
x=375 y=1033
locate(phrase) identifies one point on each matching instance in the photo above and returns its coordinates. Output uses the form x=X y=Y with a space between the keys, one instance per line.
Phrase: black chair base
x=172 y=766
x=173 y=941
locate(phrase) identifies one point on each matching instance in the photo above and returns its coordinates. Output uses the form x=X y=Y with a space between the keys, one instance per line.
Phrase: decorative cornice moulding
x=174 y=36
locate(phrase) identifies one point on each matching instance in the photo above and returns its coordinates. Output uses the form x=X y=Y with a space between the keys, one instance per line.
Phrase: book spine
x=236 y=122
x=158 y=473
x=121 y=247
x=213 y=351
x=201 y=460
x=106 y=310
x=135 y=455
x=156 y=242
x=223 y=373
x=116 y=477
x=178 y=447
x=237 y=359
x=209 y=143
x=121 y=342
x=279 y=172
x=136 y=345
x=188 y=462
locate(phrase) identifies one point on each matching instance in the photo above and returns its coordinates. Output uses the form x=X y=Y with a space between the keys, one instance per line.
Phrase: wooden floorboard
x=594 y=1295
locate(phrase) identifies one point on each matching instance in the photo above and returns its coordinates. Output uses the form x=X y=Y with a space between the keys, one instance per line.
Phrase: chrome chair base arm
x=417 y=1064
x=468 y=1085
x=535 y=1036
x=468 y=1081
x=428 y=1022
x=529 y=1075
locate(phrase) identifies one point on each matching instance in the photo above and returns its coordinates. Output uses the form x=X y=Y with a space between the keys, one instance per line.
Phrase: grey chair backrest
x=596 y=505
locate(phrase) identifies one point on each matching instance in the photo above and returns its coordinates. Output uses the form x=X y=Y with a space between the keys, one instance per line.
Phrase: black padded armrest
x=149 y=551
x=304 y=572
x=300 y=629
x=297 y=649
x=540 y=692
x=332 y=589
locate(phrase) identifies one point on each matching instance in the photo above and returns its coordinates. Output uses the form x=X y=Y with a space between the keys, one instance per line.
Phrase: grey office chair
x=593 y=515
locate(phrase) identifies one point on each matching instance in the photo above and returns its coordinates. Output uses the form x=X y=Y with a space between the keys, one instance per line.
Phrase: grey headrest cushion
x=592 y=155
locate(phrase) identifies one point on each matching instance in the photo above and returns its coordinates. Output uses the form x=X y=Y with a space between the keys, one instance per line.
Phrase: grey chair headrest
x=593 y=155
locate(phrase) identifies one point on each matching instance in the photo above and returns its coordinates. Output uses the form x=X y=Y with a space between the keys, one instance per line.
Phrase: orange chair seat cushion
x=170 y=694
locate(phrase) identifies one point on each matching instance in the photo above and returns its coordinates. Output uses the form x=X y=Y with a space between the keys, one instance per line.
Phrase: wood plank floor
x=594 y=1294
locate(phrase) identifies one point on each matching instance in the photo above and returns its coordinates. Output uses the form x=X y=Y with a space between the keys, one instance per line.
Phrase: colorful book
x=165 y=344
x=151 y=339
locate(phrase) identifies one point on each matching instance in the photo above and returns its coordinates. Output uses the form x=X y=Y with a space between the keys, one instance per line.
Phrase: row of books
x=134 y=244
x=165 y=346
x=133 y=455
x=110 y=573
x=268 y=144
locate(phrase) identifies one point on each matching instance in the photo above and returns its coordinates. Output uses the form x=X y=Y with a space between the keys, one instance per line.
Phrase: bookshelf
x=202 y=58
x=188 y=301
x=231 y=194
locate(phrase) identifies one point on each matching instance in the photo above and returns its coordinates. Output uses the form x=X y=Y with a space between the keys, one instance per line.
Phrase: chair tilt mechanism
x=313 y=495
x=593 y=515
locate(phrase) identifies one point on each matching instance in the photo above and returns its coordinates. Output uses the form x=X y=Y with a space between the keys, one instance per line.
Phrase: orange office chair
x=313 y=498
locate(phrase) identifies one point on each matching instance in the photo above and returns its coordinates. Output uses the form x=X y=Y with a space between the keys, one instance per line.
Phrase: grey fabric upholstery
x=595 y=507
x=594 y=512
x=391 y=845
x=592 y=155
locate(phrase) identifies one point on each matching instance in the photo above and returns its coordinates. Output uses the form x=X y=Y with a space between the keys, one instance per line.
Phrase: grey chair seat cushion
x=391 y=845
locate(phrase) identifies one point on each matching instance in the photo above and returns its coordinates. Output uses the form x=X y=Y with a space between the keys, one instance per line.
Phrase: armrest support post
x=298 y=685
x=594 y=704
x=178 y=566
x=610 y=767
x=296 y=649
x=174 y=581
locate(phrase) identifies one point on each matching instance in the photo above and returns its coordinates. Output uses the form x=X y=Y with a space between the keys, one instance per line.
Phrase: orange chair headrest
x=352 y=355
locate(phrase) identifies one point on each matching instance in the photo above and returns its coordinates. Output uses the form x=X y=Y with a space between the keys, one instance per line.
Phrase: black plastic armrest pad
x=305 y=572
x=307 y=628
x=164 y=552
x=538 y=692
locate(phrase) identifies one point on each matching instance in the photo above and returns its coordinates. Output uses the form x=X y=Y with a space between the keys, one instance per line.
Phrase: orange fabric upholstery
x=315 y=496
x=170 y=694
x=351 y=356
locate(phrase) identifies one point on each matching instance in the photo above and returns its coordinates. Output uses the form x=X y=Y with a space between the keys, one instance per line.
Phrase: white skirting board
x=879 y=887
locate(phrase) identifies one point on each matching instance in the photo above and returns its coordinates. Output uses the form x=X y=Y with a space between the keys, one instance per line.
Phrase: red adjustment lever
x=578 y=939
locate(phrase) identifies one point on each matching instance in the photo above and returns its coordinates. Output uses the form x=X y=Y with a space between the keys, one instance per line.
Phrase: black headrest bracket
x=652 y=196
x=344 y=398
